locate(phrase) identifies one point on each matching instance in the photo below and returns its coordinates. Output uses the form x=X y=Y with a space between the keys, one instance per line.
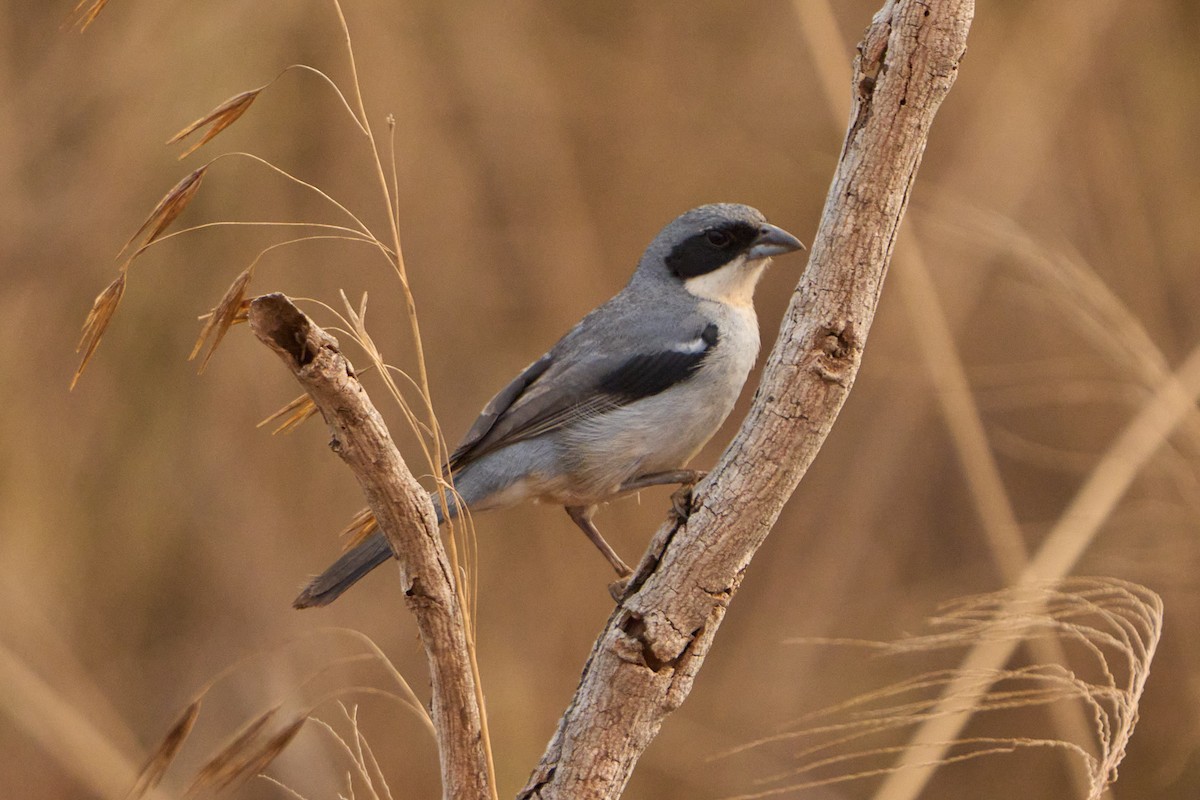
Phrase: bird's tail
x=346 y=571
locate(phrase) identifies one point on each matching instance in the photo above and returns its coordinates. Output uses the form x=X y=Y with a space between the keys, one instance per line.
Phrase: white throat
x=732 y=284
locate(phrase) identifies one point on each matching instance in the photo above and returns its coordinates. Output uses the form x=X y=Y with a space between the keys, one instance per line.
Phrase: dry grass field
x=1015 y=395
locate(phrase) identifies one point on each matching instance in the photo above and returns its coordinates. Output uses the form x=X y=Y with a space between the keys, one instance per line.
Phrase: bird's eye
x=718 y=238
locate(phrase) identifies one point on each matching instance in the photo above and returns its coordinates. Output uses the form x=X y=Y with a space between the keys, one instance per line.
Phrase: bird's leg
x=582 y=516
x=681 y=501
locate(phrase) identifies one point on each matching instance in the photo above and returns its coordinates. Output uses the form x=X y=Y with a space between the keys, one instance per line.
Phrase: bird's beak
x=773 y=241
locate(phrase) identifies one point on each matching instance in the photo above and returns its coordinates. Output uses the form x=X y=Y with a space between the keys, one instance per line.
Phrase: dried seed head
x=362 y=525
x=103 y=308
x=171 y=206
x=258 y=760
x=85 y=13
x=219 y=119
x=222 y=317
x=156 y=766
x=299 y=409
x=291 y=415
x=225 y=765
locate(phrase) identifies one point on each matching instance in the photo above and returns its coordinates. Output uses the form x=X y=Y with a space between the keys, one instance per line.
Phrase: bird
x=625 y=399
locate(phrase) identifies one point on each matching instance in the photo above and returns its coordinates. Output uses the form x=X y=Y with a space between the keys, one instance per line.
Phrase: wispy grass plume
x=1111 y=628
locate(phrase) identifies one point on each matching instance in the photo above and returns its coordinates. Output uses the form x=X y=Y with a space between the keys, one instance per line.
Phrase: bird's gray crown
x=702 y=240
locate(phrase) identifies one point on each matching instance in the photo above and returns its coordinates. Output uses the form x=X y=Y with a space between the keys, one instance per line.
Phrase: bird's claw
x=616 y=589
x=681 y=502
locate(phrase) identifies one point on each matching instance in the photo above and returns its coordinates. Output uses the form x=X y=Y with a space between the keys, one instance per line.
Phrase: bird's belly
x=658 y=433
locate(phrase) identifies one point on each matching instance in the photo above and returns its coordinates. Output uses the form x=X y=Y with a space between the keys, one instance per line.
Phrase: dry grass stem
x=290 y=791
x=433 y=444
x=359 y=232
x=360 y=124
x=98 y=318
x=355 y=321
x=361 y=756
x=373 y=763
x=218 y=120
x=434 y=450
x=158 y=762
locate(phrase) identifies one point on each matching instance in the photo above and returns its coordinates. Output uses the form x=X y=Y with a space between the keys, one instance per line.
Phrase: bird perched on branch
x=626 y=398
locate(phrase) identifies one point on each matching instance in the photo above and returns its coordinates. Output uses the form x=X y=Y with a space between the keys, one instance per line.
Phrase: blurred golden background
x=150 y=536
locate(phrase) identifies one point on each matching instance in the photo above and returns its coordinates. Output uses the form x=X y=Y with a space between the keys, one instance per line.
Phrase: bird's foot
x=681 y=502
x=616 y=589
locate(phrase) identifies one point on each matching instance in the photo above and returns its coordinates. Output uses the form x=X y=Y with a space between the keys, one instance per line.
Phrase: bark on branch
x=405 y=514
x=642 y=666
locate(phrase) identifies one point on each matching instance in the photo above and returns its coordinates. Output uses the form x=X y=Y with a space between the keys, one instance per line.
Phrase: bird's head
x=717 y=252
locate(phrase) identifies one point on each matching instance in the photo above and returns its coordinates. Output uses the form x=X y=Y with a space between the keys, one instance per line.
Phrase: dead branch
x=642 y=666
x=405 y=515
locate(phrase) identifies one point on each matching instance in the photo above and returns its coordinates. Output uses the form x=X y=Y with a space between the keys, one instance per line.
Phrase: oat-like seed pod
x=259 y=760
x=156 y=766
x=171 y=206
x=222 y=317
x=219 y=118
x=222 y=768
x=101 y=314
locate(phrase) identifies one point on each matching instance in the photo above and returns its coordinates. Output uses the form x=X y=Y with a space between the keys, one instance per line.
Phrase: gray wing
x=494 y=410
x=554 y=390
